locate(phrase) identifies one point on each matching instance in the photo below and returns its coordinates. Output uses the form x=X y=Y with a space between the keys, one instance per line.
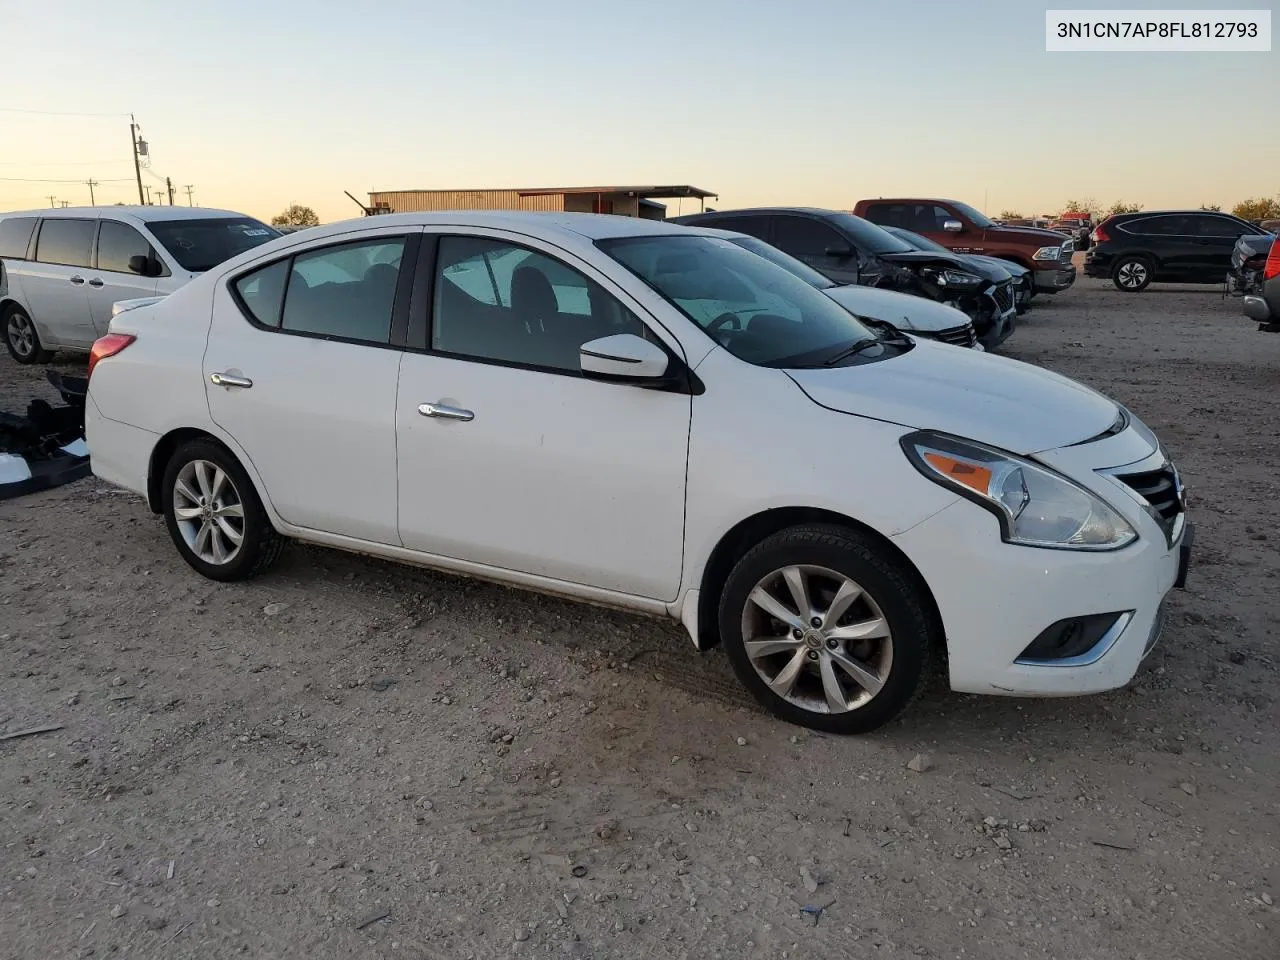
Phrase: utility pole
x=133 y=148
x=169 y=183
x=91 y=183
x=53 y=201
x=65 y=203
x=188 y=188
x=147 y=202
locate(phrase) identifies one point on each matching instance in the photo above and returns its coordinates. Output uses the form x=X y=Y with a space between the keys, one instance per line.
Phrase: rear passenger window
x=346 y=291
x=15 y=236
x=262 y=292
x=497 y=301
x=65 y=242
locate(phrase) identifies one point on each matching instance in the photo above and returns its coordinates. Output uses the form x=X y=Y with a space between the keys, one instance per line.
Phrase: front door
x=302 y=352
x=54 y=283
x=1215 y=238
x=819 y=245
x=111 y=279
x=508 y=457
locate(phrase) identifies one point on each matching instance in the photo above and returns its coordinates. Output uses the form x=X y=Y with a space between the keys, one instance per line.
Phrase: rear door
x=814 y=242
x=111 y=279
x=305 y=354
x=54 y=282
x=1169 y=239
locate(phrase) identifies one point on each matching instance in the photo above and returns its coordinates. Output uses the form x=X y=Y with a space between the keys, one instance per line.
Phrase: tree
x=1212 y=207
x=1010 y=215
x=1121 y=207
x=1262 y=208
x=1077 y=206
x=296 y=215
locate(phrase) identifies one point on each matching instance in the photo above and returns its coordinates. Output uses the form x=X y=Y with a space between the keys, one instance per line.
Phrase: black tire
x=889 y=586
x=260 y=543
x=1132 y=274
x=22 y=338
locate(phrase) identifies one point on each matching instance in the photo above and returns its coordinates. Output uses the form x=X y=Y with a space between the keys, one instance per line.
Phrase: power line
x=59 y=113
x=39 y=180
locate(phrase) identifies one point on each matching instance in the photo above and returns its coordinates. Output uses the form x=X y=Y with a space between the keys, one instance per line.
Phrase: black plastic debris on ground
x=45 y=448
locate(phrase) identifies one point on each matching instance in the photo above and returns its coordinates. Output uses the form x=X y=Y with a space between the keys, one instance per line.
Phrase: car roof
x=146 y=214
x=570 y=226
x=814 y=211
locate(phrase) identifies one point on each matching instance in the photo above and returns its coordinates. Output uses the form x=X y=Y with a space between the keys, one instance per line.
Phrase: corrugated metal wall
x=406 y=201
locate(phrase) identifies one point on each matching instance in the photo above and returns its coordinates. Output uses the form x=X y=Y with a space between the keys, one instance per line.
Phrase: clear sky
x=260 y=104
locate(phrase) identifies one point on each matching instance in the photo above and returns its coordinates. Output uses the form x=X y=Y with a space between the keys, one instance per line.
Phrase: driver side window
x=807 y=240
x=501 y=302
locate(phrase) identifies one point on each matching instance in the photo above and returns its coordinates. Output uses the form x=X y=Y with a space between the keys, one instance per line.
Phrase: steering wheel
x=724 y=320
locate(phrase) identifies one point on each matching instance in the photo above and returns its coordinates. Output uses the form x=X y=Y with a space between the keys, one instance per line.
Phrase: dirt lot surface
x=350 y=758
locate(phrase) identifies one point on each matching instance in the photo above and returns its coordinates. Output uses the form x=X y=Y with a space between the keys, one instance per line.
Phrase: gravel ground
x=347 y=757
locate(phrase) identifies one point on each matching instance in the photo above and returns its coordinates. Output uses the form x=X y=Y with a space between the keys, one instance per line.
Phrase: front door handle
x=77 y=279
x=95 y=282
x=227 y=380
x=445 y=412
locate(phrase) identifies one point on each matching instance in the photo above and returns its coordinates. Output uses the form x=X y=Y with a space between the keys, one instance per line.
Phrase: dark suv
x=1169 y=246
x=848 y=249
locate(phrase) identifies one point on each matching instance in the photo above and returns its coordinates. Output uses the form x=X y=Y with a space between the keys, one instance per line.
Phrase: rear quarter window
x=15 y=236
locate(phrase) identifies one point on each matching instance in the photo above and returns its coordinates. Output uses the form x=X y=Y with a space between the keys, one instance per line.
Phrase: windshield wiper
x=857 y=347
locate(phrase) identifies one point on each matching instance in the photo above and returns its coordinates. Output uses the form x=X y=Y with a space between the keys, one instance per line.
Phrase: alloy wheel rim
x=1132 y=274
x=21 y=335
x=209 y=512
x=817 y=639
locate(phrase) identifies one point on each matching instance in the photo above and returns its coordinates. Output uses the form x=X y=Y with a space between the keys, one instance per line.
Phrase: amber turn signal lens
x=961 y=471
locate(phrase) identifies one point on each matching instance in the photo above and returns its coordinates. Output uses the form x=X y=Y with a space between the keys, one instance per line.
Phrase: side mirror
x=144 y=266
x=624 y=357
x=839 y=253
x=952 y=226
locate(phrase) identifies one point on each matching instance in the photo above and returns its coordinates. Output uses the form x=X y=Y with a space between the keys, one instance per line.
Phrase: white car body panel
x=617 y=494
x=999 y=401
x=906 y=312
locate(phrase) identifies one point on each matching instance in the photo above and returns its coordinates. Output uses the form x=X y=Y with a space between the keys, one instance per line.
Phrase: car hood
x=1008 y=266
x=994 y=400
x=1027 y=235
x=903 y=310
x=921 y=258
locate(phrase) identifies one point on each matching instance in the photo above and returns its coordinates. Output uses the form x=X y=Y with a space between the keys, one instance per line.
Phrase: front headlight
x=951 y=278
x=1035 y=506
x=1048 y=253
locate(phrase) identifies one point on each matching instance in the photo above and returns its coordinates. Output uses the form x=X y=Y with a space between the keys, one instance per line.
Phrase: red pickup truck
x=962 y=229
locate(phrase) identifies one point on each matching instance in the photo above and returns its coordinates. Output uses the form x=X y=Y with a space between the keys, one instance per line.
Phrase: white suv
x=61 y=270
x=648 y=416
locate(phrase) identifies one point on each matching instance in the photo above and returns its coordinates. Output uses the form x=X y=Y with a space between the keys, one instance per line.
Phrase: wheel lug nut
x=832 y=644
x=798 y=634
x=816 y=621
x=813 y=654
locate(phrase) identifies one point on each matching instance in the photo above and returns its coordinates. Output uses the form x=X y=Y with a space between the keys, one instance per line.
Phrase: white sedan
x=563 y=402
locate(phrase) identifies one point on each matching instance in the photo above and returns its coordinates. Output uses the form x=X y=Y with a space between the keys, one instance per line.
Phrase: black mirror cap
x=144 y=266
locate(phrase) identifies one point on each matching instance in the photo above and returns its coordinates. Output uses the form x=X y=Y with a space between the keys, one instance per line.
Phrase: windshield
x=976 y=218
x=755 y=309
x=917 y=241
x=785 y=261
x=200 y=245
x=866 y=234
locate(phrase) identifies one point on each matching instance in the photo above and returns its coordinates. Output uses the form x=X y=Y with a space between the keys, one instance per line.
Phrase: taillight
x=1100 y=234
x=108 y=346
x=1272 y=269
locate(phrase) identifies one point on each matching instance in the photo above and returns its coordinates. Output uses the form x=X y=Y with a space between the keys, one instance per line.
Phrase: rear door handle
x=77 y=279
x=445 y=412
x=95 y=282
x=227 y=380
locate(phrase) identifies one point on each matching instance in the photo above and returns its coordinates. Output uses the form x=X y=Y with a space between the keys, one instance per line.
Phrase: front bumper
x=995 y=598
x=1054 y=279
